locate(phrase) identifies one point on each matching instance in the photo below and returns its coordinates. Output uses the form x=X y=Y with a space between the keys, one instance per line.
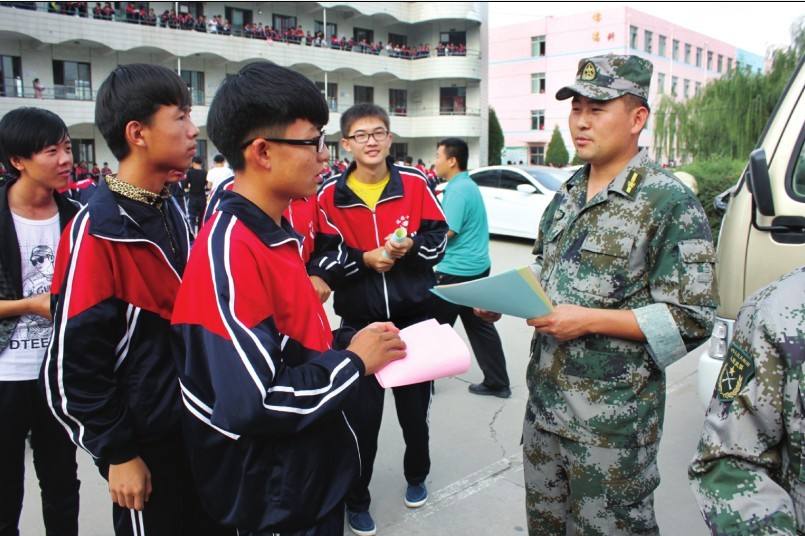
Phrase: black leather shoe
x=484 y=390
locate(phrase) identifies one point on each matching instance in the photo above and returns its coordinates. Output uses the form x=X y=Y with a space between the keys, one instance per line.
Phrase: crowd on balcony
x=138 y=13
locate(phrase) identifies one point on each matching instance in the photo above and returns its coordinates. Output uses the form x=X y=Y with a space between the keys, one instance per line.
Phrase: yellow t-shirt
x=369 y=193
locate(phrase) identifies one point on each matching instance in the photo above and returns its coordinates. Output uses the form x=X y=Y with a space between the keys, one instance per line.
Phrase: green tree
x=495 y=138
x=726 y=118
x=556 y=154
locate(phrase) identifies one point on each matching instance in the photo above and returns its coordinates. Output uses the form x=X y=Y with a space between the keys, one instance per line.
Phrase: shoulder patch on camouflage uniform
x=632 y=182
x=737 y=371
x=589 y=71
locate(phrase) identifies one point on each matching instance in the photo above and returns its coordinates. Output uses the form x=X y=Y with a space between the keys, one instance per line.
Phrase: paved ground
x=475 y=485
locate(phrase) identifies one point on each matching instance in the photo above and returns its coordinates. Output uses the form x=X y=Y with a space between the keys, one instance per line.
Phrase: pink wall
x=570 y=38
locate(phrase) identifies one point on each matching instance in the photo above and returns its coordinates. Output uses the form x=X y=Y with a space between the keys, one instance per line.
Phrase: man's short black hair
x=26 y=131
x=135 y=92
x=408 y=160
x=197 y=160
x=360 y=111
x=219 y=159
x=261 y=97
x=456 y=148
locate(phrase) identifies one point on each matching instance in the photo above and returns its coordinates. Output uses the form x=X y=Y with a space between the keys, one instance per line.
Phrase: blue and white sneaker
x=416 y=495
x=361 y=523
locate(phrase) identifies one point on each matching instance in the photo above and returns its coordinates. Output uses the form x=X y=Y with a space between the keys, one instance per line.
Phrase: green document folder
x=515 y=292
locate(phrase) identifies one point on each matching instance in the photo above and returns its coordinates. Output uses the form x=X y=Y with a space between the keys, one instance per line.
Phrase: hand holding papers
x=515 y=292
x=433 y=351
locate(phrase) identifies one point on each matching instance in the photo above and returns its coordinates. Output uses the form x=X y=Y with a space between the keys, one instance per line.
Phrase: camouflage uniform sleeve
x=732 y=473
x=681 y=281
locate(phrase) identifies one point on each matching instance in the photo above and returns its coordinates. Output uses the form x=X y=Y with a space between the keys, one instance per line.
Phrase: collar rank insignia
x=632 y=182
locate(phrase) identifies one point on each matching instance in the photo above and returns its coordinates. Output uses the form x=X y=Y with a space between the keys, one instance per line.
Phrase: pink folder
x=433 y=351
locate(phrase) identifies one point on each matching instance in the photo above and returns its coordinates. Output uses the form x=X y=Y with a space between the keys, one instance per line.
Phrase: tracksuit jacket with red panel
x=301 y=213
x=348 y=228
x=261 y=383
x=109 y=374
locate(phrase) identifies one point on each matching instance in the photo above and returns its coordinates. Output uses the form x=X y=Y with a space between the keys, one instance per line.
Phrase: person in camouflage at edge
x=625 y=252
x=748 y=473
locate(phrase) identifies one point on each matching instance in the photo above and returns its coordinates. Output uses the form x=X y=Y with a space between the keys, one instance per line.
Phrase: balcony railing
x=14 y=87
x=265 y=33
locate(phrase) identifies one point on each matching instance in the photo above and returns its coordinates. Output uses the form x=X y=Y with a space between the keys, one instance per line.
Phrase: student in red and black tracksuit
x=302 y=213
x=109 y=375
x=262 y=379
x=376 y=279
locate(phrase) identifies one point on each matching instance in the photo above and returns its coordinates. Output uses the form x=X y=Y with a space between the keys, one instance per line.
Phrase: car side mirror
x=759 y=182
x=526 y=189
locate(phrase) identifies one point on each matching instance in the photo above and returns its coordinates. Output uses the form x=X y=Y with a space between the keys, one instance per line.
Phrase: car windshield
x=551 y=179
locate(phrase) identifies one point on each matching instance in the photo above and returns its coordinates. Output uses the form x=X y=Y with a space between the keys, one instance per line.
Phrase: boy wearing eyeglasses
x=263 y=379
x=377 y=278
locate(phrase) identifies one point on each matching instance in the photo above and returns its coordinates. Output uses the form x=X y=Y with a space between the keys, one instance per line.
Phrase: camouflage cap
x=609 y=77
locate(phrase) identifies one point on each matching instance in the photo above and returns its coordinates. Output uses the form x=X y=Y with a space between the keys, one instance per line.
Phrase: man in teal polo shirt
x=467 y=258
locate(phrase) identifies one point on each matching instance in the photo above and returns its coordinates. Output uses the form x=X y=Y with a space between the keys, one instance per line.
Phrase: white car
x=516 y=197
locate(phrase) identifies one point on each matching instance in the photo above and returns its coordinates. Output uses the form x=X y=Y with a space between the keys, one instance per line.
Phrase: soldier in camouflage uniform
x=748 y=474
x=625 y=252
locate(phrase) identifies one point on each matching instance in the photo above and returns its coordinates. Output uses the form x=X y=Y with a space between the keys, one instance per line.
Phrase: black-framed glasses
x=318 y=142
x=362 y=136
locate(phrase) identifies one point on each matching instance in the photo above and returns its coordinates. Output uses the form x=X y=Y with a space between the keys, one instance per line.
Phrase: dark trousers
x=174 y=508
x=483 y=336
x=22 y=409
x=330 y=525
x=365 y=412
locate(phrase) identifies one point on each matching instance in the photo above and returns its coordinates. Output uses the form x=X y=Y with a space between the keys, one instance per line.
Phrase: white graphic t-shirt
x=38 y=240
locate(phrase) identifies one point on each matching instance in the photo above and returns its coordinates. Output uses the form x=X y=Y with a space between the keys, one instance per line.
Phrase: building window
x=318 y=27
x=332 y=95
x=661 y=46
x=398 y=39
x=633 y=36
x=195 y=84
x=537 y=82
x=648 y=39
x=453 y=100
x=675 y=50
x=720 y=62
x=729 y=64
x=660 y=83
x=709 y=60
x=364 y=95
x=71 y=80
x=536 y=155
x=11 y=75
x=686 y=88
x=537 y=119
x=398 y=151
x=453 y=38
x=201 y=149
x=83 y=151
x=332 y=148
x=239 y=18
x=674 y=81
x=687 y=53
x=281 y=23
x=398 y=101
x=360 y=34
x=538 y=45
x=697 y=89
x=698 y=56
